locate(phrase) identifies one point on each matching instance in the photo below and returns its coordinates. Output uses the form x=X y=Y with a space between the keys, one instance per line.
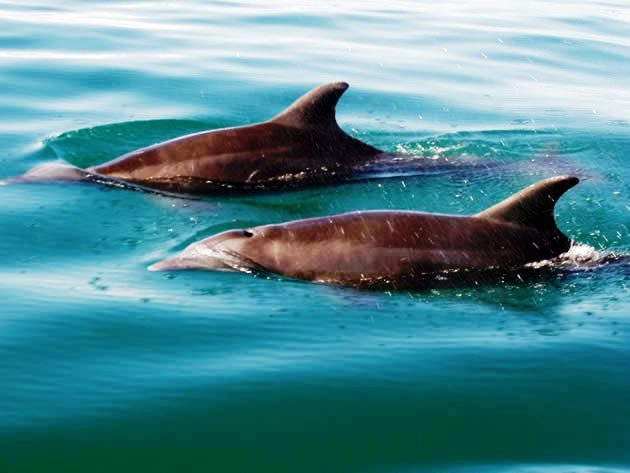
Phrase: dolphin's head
x=224 y=251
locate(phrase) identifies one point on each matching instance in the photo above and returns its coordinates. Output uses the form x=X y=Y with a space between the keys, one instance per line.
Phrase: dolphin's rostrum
x=395 y=248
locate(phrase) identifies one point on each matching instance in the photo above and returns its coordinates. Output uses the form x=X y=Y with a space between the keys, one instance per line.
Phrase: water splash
x=581 y=257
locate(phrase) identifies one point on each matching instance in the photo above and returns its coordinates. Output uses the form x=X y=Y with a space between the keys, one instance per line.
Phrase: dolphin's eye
x=247 y=233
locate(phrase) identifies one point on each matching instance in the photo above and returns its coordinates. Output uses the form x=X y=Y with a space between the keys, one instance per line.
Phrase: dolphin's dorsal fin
x=533 y=206
x=314 y=109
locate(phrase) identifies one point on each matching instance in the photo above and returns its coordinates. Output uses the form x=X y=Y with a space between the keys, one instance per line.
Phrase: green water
x=106 y=367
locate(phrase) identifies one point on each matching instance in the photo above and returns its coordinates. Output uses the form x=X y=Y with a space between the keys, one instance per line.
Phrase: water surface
x=108 y=367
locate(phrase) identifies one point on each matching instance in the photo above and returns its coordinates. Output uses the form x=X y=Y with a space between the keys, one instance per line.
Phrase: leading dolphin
x=392 y=248
x=301 y=146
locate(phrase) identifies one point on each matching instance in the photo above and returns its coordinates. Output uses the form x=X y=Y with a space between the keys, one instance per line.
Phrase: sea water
x=106 y=367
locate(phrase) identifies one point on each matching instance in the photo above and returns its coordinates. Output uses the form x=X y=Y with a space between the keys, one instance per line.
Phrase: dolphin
x=301 y=146
x=392 y=248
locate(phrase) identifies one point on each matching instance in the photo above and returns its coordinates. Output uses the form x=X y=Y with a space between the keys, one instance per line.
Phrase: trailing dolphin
x=392 y=248
x=301 y=146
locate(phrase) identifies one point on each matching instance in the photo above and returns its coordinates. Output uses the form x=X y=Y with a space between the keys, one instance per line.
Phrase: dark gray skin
x=391 y=248
x=302 y=146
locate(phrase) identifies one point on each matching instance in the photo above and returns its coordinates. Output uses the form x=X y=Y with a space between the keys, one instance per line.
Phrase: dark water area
x=105 y=366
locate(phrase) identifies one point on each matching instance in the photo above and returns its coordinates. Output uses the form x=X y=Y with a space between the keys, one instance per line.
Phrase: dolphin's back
x=227 y=154
x=361 y=246
x=364 y=245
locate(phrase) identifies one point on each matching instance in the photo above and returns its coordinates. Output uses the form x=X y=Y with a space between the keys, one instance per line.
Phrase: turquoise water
x=107 y=367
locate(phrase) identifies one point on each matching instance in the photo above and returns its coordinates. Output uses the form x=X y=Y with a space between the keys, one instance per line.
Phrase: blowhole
x=247 y=233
